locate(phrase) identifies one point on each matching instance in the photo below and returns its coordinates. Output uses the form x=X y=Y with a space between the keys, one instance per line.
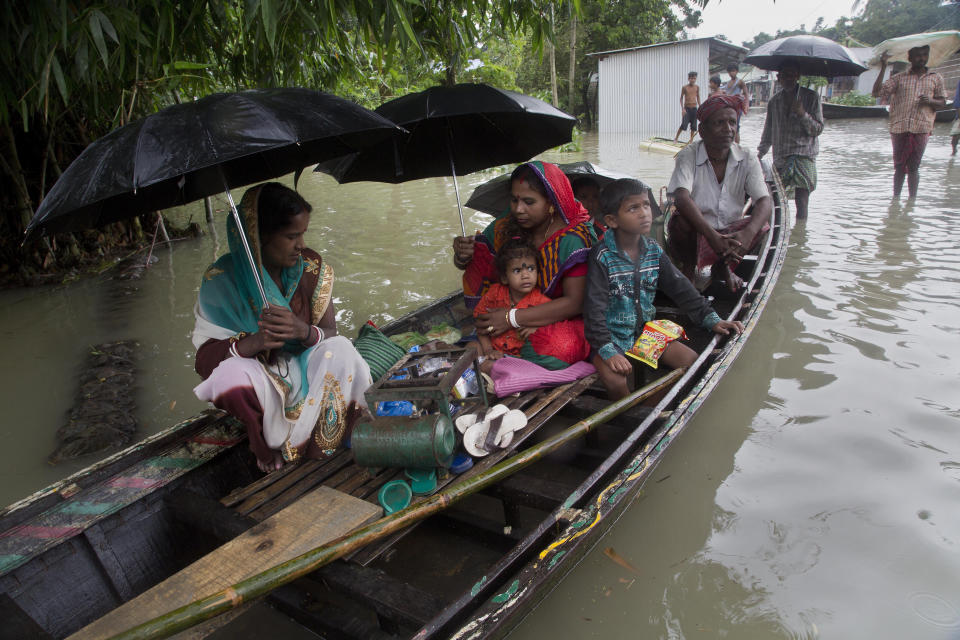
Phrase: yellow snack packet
x=656 y=335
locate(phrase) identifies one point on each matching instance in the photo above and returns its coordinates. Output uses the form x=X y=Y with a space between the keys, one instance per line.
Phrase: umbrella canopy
x=813 y=55
x=456 y=130
x=493 y=196
x=475 y=125
x=943 y=44
x=196 y=149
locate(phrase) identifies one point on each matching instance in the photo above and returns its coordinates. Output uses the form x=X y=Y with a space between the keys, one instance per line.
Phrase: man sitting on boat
x=710 y=184
x=544 y=212
x=282 y=370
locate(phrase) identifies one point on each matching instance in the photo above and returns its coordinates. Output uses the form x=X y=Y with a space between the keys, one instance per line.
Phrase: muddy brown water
x=814 y=495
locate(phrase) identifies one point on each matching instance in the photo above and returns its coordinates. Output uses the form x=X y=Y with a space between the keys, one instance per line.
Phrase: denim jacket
x=620 y=292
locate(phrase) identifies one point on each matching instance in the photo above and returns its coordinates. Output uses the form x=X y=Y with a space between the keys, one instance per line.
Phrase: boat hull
x=834 y=111
x=90 y=559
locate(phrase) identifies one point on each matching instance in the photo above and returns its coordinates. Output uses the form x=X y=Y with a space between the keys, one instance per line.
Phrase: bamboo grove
x=72 y=71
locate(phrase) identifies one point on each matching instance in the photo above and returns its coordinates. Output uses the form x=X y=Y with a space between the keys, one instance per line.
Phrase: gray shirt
x=721 y=203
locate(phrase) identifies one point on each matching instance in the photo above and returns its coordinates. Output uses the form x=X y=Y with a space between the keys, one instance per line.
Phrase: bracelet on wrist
x=512 y=319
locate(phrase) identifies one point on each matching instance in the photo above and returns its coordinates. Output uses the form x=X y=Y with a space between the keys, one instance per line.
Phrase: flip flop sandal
x=467 y=420
x=488 y=384
x=477 y=437
x=515 y=419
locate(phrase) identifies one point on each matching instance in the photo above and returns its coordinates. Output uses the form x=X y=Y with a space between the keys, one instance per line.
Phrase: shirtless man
x=736 y=87
x=689 y=103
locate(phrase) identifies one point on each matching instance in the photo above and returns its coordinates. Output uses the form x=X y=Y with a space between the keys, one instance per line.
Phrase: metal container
x=422 y=442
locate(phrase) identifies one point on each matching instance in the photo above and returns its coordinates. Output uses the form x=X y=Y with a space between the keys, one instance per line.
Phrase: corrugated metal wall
x=640 y=90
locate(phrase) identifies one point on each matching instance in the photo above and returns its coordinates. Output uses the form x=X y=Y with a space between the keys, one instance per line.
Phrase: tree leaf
x=268 y=13
x=82 y=59
x=107 y=25
x=620 y=560
x=97 y=32
x=58 y=76
x=181 y=64
x=405 y=22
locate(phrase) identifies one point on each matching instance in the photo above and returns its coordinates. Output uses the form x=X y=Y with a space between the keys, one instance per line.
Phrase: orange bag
x=657 y=334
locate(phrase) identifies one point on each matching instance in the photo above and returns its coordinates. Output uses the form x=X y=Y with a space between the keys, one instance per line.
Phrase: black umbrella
x=493 y=196
x=456 y=130
x=813 y=56
x=191 y=150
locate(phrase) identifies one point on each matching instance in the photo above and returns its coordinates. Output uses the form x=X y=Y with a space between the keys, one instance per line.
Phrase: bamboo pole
x=259 y=584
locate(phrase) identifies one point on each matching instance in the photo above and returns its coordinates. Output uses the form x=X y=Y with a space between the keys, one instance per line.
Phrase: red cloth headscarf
x=553 y=263
x=716 y=102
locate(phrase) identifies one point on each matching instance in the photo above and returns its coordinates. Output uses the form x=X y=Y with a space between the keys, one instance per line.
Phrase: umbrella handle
x=453 y=172
x=246 y=245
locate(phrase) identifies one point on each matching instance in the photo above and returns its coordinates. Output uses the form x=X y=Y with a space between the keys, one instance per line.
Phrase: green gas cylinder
x=415 y=441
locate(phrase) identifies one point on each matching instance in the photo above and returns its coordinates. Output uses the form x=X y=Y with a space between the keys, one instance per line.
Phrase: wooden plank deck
x=315 y=518
x=277 y=490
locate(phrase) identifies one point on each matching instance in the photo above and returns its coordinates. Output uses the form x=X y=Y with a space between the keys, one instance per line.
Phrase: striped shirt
x=790 y=134
x=902 y=91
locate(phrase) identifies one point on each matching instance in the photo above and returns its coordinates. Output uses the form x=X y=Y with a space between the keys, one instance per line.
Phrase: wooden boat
x=662 y=145
x=184 y=519
x=947 y=114
x=832 y=110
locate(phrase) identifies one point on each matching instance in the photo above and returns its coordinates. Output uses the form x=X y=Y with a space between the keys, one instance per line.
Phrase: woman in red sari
x=544 y=212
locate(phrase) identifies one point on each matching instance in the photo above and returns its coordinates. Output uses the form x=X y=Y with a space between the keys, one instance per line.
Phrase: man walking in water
x=689 y=103
x=914 y=97
x=794 y=120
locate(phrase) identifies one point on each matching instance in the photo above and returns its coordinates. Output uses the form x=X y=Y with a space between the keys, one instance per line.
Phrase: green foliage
x=883 y=19
x=812 y=82
x=575 y=144
x=603 y=26
x=879 y=21
x=71 y=71
x=855 y=99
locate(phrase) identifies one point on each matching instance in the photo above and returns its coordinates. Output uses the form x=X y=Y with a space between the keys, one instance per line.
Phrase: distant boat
x=832 y=110
x=947 y=114
x=662 y=145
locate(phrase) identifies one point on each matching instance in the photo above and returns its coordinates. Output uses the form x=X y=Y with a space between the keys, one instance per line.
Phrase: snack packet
x=656 y=335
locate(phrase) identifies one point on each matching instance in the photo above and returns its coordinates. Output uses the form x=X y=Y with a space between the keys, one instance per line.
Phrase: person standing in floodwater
x=737 y=87
x=914 y=97
x=794 y=121
x=955 y=129
x=689 y=103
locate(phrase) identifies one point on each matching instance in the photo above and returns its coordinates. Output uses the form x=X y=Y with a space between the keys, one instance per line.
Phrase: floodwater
x=814 y=495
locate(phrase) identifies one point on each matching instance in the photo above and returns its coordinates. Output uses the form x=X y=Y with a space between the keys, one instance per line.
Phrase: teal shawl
x=229 y=297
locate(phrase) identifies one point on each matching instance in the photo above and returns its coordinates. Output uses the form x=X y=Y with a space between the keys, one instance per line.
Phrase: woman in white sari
x=282 y=370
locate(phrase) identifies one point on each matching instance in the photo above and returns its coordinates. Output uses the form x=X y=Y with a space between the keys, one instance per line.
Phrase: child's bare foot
x=273 y=465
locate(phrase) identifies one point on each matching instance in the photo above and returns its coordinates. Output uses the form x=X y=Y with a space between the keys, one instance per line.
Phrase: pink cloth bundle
x=511 y=375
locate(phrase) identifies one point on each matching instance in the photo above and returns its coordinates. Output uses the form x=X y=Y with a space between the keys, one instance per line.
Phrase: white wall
x=640 y=90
